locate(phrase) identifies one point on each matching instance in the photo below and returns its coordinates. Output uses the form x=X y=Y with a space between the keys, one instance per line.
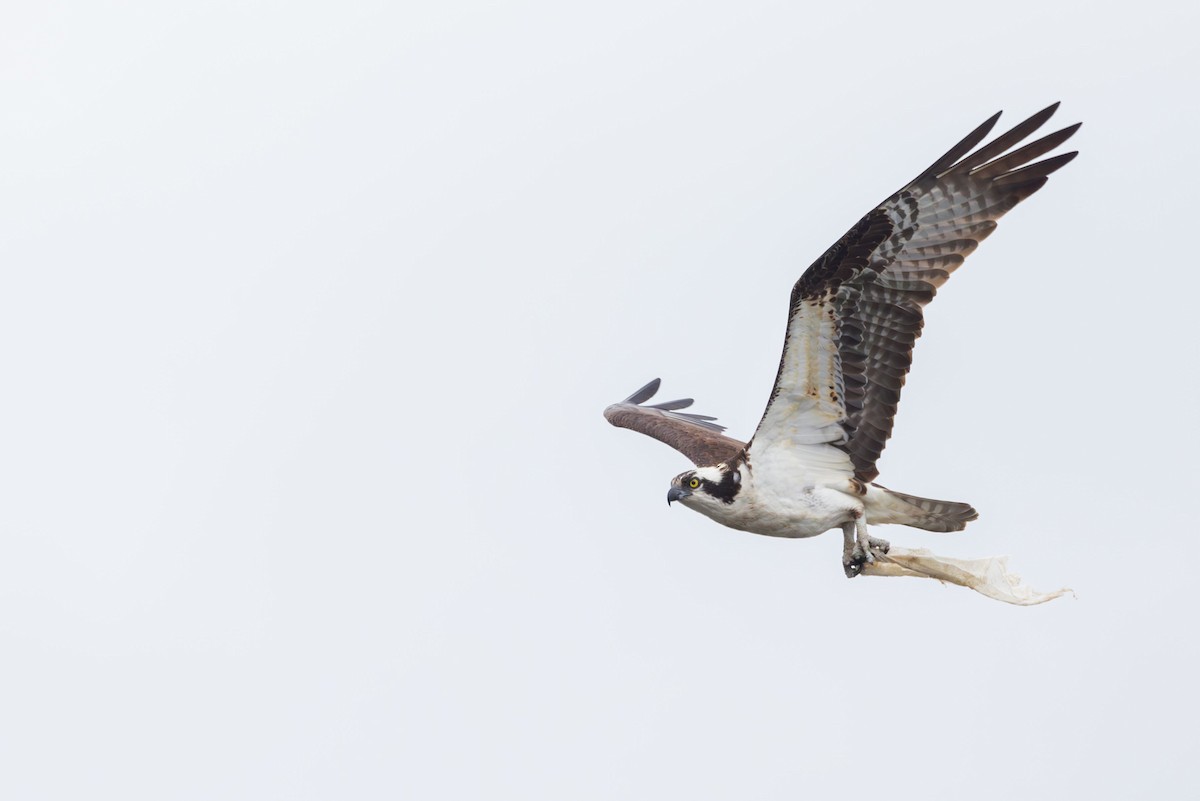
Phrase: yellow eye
x=694 y=483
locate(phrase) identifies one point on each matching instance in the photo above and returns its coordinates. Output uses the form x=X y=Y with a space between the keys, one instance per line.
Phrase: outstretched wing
x=856 y=313
x=696 y=436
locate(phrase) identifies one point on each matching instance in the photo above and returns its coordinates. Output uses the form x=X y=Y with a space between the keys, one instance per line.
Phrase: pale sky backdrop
x=309 y=314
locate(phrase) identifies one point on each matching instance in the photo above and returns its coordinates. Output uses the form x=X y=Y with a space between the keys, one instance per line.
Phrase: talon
x=854 y=560
x=856 y=553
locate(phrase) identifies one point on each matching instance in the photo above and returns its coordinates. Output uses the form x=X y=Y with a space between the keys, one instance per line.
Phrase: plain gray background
x=309 y=314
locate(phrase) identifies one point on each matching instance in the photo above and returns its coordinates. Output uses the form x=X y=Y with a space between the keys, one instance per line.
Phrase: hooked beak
x=675 y=493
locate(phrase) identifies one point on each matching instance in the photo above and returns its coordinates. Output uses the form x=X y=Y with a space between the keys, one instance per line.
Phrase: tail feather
x=926 y=513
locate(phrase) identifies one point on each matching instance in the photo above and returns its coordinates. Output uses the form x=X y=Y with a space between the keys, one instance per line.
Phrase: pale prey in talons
x=853 y=319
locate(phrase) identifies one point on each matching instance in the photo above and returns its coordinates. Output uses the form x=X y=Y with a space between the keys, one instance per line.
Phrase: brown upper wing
x=696 y=436
x=856 y=313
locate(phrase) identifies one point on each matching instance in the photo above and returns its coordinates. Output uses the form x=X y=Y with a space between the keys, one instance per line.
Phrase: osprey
x=853 y=318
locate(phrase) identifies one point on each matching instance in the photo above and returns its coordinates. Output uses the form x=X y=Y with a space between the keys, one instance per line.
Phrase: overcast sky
x=309 y=314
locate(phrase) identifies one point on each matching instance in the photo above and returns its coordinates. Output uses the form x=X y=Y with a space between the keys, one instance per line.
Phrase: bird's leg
x=857 y=546
x=866 y=543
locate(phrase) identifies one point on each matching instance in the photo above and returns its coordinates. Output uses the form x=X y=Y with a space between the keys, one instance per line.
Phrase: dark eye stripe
x=726 y=489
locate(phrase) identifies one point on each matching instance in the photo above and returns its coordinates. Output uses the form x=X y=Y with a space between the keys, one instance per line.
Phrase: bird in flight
x=853 y=319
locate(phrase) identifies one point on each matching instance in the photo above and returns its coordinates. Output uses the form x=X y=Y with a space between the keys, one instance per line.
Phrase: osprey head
x=706 y=487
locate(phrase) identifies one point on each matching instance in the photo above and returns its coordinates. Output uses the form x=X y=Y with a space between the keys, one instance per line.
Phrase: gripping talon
x=857 y=552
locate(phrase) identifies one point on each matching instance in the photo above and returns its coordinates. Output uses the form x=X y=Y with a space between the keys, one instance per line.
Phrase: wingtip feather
x=964 y=146
x=645 y=393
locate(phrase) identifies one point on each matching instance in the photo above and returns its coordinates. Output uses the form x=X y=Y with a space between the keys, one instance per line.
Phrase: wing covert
x=696 y=436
